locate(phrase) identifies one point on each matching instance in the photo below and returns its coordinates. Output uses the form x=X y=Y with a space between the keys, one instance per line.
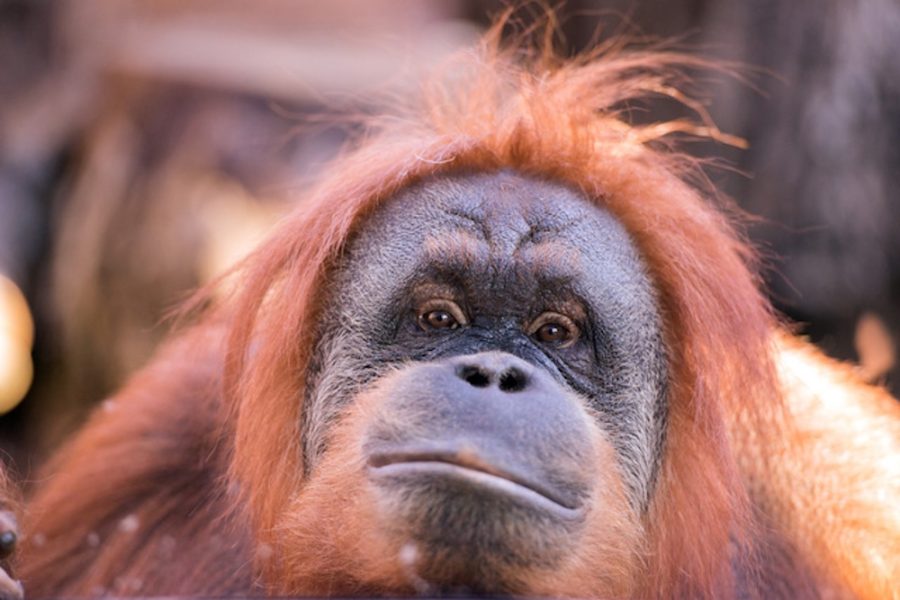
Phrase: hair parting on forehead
x=514 y=106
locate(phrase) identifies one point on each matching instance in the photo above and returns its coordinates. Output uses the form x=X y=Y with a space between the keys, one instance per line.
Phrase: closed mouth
x=468 y=466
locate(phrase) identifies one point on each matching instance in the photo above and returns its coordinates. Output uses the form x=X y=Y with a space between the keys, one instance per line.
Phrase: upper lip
x=466 y=459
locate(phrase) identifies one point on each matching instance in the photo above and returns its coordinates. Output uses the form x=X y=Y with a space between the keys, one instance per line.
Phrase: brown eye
x=553 y=328
x=439 y=319
x=553 y=333
x=440 y=314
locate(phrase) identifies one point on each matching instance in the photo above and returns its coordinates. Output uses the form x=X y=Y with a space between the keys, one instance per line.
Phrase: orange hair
x=507 y=108
x=751 y=410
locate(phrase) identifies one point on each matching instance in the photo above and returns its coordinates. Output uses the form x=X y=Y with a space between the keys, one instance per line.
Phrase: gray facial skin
x=505 y=248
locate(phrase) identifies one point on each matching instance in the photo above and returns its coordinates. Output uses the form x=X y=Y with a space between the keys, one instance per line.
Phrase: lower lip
x=479 y=479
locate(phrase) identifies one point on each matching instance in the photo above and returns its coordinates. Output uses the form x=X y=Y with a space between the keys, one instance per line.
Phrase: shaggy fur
x=201 y=448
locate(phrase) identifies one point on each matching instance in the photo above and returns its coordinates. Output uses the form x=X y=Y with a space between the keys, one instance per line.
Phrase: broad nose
x=495 y=369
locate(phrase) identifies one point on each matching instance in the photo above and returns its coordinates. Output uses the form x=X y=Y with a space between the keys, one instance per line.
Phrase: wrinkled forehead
x=510 y=247
x=506 y=212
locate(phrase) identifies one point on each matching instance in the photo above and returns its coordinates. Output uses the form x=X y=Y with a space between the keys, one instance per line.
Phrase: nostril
x=513 y=380
x=474 y=376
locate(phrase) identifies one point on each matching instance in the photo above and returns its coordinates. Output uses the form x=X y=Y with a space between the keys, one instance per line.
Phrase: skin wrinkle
x=756 y=421
x=498 y=539
x=505 y=248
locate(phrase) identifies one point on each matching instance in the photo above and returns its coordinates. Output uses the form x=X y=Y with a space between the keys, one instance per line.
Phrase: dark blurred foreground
x=145 y=146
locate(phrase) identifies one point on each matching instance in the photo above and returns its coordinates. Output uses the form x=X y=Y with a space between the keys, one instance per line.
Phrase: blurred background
x=146 y=145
